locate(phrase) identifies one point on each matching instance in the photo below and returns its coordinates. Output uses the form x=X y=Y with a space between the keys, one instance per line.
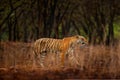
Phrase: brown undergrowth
x=94 y=62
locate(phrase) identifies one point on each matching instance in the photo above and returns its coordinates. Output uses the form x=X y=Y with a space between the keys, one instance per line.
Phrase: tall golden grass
x=99 y=62
x=98 y=58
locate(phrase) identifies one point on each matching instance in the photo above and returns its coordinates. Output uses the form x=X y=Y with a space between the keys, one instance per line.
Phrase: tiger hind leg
x=37 y=60
x=42 y=58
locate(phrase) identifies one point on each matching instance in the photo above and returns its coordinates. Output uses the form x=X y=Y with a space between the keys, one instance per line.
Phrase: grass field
x=94 y=62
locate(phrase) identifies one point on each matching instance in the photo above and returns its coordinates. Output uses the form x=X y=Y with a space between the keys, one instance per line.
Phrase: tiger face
x=82 y=41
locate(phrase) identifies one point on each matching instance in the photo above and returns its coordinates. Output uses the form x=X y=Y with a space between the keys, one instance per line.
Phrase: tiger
x=43 y=46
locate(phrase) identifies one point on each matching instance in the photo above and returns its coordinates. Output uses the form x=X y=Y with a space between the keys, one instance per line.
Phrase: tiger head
x=80 y=40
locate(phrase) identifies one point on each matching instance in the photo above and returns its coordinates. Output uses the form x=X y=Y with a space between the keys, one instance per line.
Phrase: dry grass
x=16 y=62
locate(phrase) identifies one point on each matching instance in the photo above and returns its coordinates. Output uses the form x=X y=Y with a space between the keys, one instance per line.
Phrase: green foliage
x=117 y=30
x=4 y=36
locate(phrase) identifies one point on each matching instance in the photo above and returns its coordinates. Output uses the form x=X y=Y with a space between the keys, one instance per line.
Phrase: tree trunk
x=10 y=29
x=110 y=36
x=15 y=28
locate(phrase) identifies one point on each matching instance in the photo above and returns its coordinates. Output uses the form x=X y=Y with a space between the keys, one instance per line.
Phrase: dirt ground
x=41 y=74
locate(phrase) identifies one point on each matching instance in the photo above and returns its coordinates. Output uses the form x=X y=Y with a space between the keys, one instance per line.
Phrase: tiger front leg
x=62 y=57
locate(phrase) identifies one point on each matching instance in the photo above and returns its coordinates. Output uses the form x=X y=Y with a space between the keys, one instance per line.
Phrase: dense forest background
x=27 y=20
